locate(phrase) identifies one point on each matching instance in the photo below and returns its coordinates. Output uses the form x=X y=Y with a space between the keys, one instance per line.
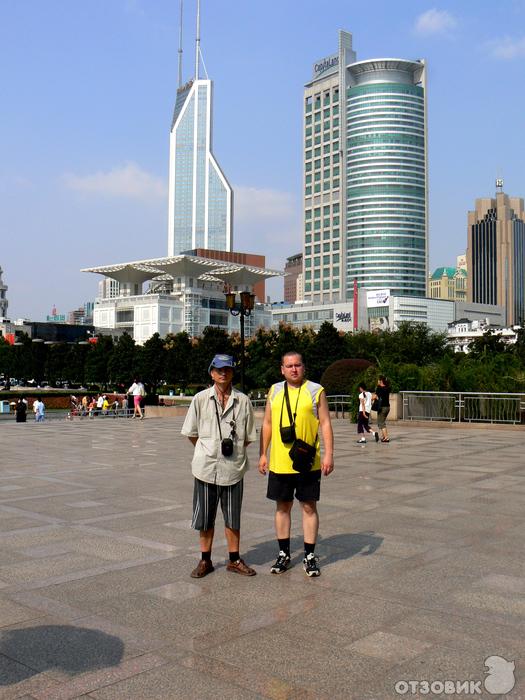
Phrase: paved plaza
x=422 y=546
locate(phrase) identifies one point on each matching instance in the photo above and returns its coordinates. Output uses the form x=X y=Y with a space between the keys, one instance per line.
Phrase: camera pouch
x=302 y=455
x=287 y=433
x=227 y=447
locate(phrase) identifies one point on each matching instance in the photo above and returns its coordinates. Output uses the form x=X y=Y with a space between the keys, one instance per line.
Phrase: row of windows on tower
x=325 y=114
x=314 y=101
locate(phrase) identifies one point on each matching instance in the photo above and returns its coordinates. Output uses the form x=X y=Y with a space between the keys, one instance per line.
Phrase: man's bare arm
x=266 y=436
x=327 y=462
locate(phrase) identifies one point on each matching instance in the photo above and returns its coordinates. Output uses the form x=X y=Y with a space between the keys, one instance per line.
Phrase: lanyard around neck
x=288 y=408
x=219 y=420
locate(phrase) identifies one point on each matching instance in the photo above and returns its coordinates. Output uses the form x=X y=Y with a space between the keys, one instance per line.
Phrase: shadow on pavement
x=329 y=549
x=71 y=649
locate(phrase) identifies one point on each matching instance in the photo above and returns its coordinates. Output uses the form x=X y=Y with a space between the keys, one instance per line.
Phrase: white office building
x=180 y=293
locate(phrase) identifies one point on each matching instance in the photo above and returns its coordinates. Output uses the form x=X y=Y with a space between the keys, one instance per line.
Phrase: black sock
x=206 y=556
x=309 y=548
x=234 y=556
x=284 y=545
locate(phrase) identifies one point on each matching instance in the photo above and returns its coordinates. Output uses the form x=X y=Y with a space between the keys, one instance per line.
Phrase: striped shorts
x=206 y=498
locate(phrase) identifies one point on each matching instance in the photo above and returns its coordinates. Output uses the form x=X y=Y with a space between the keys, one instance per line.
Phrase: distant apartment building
x=496 y=254
x=448 y=283
x=292 y=270
x=365 y=176
x=83 y=315
x=3 y=297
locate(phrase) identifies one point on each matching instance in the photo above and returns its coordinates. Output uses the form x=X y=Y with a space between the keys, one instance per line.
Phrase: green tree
x=178 y=352
x=22 y=361
x=151 y=362
x=74 y=368
x=39 y=352
x=56 y=361
x=413 y=343
x=327 y=346
x=98 y=359
x=488 y=345
x=6 y=357
x=121 y=364
x=212 y=341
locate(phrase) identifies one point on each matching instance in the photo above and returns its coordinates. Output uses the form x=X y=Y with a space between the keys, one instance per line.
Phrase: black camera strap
x=219 y=420
x=288 y=407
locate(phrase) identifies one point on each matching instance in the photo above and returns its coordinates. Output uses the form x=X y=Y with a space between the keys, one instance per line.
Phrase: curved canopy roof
x=184 y=266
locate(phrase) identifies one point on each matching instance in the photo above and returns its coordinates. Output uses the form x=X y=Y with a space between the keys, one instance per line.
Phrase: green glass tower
x=365 y=176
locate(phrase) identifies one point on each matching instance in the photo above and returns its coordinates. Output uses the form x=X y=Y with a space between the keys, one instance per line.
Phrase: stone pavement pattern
x=421 y=549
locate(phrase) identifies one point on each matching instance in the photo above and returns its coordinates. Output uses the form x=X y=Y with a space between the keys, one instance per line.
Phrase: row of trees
x=413 y=357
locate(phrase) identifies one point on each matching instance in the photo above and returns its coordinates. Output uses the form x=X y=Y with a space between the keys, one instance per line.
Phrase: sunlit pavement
x=422 y=548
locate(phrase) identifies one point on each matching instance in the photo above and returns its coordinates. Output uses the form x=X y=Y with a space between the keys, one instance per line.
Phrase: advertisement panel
x=377 y=297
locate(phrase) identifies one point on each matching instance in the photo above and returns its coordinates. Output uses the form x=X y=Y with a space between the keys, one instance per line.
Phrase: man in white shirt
x=365 y=406
x=220 y=424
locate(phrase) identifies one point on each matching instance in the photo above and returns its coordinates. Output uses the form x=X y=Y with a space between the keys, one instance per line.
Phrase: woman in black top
x=382 y=395
x=21 y=410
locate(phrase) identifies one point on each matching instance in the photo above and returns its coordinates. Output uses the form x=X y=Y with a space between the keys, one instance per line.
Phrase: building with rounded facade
x=365 y=177
x=387 y=176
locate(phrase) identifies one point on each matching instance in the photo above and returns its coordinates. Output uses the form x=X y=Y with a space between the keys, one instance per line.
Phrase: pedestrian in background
x=21 y=410
x=381 y=403
x=138 y=391
x=363 y=416
x=39 y=409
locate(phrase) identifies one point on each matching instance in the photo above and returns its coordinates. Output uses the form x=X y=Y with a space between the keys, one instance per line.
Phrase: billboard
x=377 y=297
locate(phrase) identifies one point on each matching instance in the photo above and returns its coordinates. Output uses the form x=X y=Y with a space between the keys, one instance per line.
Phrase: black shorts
x=307 y=487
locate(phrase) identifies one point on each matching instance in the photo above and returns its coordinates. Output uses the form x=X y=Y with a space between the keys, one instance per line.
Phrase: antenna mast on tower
x=198 y=40
x=180 y=46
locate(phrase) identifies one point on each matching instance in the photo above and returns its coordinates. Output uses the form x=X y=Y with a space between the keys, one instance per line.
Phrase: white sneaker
x=362 y=440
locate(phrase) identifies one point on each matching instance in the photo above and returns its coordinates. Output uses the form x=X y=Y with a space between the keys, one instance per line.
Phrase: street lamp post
x=244 y=308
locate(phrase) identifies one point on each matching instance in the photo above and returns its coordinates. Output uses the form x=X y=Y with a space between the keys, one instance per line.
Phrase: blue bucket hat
x=221 y=361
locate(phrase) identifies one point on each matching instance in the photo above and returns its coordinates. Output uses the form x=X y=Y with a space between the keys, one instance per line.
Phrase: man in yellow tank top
x=296 y=408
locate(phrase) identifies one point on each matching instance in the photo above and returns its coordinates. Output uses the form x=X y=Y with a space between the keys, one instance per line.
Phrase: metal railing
x=464 y=407
x=339 y=404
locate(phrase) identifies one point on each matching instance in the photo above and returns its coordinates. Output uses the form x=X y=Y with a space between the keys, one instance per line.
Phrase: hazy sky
x=88 y=89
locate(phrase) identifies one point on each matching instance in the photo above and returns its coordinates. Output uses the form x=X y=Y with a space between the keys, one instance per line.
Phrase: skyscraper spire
x=198 y=40
x=180 y=46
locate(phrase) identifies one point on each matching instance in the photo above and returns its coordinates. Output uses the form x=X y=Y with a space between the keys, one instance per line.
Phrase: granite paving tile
x=421 y=555
x=174 y=682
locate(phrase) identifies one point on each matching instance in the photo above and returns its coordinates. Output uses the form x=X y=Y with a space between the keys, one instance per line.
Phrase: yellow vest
x=306 y=423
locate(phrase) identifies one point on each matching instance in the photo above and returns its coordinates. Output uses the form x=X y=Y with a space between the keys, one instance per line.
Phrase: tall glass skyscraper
x=365 y=176
x=200 y=197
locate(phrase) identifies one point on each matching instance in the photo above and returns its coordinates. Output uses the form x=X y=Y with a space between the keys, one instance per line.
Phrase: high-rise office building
x=292 y=269
x=496 y=254
x=3 y=296
x=365 y=176
x=200 y=197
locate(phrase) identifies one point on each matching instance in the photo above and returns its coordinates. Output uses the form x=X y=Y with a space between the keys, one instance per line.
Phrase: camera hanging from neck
x=288 y=432
x=226 y=443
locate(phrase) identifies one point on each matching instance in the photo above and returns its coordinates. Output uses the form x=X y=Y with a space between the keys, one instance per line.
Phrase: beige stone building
x=496 y=254
x=448 y=283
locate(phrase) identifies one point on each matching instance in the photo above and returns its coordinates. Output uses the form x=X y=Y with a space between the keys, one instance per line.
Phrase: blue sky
x=88 y=91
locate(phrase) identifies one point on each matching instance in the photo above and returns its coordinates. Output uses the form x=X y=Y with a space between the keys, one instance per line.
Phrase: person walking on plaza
x=138 y=391
x=39 y=409
x=295 y=410
x=220 y=424
x=381 y=403
x=21 y=410
x=363 y=416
